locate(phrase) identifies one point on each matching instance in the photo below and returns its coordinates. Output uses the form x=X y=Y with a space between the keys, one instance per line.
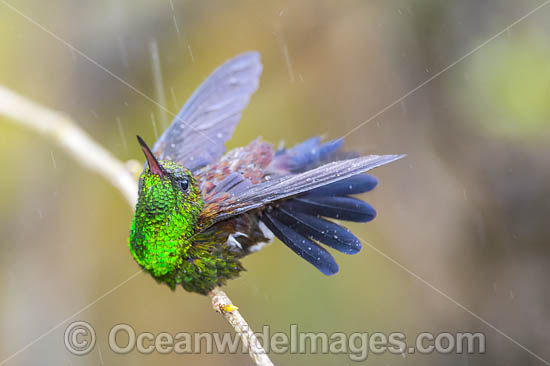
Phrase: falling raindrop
x=174 y=16
x=53 y=159
x=191 y=53
x=154 y=121
x=174 y=100
x=159 y=85
x=286 y=54
x=121 y=132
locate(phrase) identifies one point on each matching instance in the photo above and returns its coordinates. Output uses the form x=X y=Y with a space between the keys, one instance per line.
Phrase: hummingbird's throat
x=164 y=221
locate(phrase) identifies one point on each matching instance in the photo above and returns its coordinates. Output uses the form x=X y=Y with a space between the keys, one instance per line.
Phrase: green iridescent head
x=166 y=215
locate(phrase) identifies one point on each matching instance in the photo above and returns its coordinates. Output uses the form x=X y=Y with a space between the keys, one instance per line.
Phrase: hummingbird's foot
x=228 y=308
x=221 y=302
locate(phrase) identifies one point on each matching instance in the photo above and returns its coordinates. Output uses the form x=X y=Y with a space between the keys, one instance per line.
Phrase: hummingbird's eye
x=184 y=184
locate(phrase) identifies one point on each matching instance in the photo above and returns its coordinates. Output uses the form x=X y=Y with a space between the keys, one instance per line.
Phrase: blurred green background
x=467 y=210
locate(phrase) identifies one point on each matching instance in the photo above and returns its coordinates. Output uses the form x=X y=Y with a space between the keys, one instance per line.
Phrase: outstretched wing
x=291 y=185
x=198 y=133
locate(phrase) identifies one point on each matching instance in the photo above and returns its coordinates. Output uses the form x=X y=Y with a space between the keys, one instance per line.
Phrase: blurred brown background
x=467 y=210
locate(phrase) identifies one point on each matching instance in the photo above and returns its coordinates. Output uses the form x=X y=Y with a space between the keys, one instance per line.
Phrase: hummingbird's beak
x=154 y=165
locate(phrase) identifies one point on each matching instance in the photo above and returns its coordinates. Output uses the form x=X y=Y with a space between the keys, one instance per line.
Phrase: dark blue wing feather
x=294 y=184
x=310 y=154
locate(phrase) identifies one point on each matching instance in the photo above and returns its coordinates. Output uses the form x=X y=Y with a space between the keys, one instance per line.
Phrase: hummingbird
x=200 y=210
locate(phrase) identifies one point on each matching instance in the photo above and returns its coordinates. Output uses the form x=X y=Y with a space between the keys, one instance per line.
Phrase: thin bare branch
x=221 y=302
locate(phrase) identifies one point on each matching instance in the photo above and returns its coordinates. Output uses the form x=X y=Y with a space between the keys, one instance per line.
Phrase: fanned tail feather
x=336 y=207
x=319 y=229
x=301 y=245
x=307 y=184
x=356 y=184
x=298 y=222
